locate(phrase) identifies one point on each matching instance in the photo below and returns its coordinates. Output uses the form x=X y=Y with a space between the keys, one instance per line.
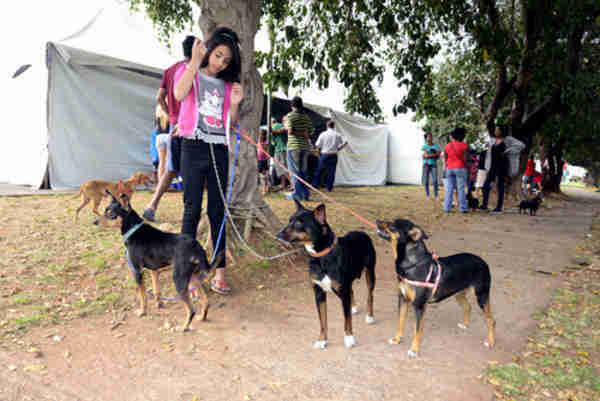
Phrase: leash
x=228 y=214
x=426 y=284
x=330 y=199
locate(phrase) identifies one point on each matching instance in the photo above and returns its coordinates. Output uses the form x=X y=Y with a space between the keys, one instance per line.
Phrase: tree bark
x=247 y=204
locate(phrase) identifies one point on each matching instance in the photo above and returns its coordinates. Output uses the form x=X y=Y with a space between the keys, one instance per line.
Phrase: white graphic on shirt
x=211 y=108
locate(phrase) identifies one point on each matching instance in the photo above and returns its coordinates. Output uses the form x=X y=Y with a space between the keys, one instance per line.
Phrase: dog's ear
x=125 y=201
x=320 y=214
x=417 y=233
x=298 y=205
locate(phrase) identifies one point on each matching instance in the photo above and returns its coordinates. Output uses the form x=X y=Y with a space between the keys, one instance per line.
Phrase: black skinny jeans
x=197 y=170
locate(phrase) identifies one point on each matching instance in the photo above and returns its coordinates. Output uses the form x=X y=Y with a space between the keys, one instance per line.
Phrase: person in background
x=170 y=105
x=431 y=154
x=263 y=160
x=455 y=154
x=161 y=139
x=300 y=128
x=330 y=142
x=498 y=170
x=529 y=172
x=481 y=173
x=280 y=139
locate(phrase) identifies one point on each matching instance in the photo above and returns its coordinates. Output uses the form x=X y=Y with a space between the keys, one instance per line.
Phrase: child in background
x=263 y=160
x=481 y=173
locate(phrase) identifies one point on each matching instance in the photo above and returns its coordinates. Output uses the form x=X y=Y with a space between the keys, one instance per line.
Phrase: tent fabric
x=100 y=116
x=363 y=161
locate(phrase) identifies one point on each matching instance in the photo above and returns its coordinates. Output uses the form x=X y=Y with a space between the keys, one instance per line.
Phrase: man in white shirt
x=330 y=142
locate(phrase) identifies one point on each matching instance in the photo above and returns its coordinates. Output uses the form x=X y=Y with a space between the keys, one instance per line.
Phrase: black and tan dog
x=532 y=204
x=453 y=274
x=153 y=249
x=334 y=264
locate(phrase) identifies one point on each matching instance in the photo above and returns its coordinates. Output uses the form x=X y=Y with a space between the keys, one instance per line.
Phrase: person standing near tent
x=160 y=140
x=299 y=127
x=455 y=154
x=209 y=92
x=280 y=139
x=431 y=154
x=170 y=105
x=330 y=142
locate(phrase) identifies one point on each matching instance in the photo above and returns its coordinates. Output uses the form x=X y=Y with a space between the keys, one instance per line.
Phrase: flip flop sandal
x=148 y=214
x=220 y=287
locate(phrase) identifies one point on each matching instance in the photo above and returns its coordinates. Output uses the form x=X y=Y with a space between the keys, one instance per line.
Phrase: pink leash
x=426 y=283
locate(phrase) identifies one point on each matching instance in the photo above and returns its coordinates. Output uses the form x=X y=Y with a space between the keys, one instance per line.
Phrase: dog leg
x=487 y=311
x=403 y=307
x=141 y=290
x=185 y=298
x=462 y=300
x=416 y=344
x=370 y=279
x=85 y=202
x=346 y=296
x=355 y=308
x=203 y=297
x=321 y=301
x=96 y=203
x=155 y=288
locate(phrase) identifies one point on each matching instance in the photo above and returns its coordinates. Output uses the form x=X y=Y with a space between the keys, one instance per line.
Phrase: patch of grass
x=29 y=320
x=561 y=360
x=22 y=299
x=104 y=282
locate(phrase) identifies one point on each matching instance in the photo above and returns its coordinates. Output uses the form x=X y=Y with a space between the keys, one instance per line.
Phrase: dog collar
x=324 y=251
x=130 y=232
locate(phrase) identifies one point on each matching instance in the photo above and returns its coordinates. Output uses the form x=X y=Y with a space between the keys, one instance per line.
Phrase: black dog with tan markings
x=424 y=278
x=153 y=249
x=334 y=264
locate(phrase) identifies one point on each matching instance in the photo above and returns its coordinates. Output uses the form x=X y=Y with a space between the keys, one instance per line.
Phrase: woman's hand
x=198 y=52
x=237 y=94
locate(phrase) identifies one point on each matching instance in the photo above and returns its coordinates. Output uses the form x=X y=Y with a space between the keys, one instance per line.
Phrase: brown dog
x=95 y=190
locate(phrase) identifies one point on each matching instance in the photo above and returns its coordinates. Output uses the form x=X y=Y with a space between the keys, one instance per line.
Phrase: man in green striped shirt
x=299 y=127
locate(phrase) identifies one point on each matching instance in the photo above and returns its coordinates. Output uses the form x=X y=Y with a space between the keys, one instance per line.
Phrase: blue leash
x=229 y=191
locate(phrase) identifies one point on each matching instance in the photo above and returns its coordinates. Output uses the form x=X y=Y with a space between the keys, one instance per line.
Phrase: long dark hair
x=225 y=36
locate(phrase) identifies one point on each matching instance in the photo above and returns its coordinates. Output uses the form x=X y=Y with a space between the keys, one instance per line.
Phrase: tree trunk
x=247 y=204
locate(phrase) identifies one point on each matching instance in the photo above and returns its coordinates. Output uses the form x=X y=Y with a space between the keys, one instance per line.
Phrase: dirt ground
x=256 y=345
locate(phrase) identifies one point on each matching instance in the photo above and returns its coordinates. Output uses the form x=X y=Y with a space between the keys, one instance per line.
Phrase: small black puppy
x=532 y=204
x=334 y=264
x=423 y=279
x=148 y=247
x=472 y=202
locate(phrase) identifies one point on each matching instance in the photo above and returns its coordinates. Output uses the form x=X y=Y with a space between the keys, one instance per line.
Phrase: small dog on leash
x=153 y=249
x=95 y=190
x=334 y=264
x=532 y=205
x=423 y=278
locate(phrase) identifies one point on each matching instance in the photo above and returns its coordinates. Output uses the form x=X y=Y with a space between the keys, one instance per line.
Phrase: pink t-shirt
x=456 y=154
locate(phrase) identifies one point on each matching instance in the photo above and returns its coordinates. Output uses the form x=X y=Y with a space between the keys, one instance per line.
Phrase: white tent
x=405 y=161
x=364 y=160
x=85 y=107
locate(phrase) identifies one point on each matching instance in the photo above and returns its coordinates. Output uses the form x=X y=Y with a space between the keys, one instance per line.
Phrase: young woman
x=455 y=154
x=209 y=92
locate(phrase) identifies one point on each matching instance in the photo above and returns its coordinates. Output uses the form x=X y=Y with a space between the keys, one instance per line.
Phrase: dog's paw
x=488 y=344
x=412 y=354
x=320 y=344
x=370 y=319
x=395 y=340
x=349 y=341
x=355 y=310
x=462 y=326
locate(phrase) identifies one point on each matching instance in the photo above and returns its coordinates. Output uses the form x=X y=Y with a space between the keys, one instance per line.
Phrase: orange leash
x=330 y=199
